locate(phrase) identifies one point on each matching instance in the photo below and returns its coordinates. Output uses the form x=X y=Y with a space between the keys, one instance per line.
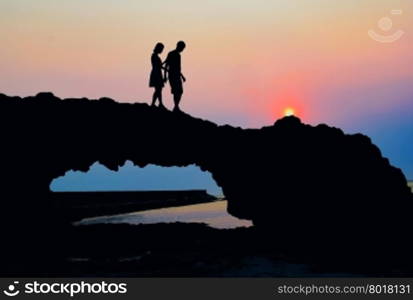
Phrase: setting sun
x=289 y=112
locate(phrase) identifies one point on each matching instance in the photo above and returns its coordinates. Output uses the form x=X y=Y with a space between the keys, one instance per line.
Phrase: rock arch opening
x=143 y=195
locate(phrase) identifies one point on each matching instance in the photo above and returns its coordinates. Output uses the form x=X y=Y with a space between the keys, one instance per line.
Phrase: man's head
x=180 y=46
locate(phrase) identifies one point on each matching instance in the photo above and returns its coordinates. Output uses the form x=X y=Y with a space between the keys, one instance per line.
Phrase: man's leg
x=177 y=99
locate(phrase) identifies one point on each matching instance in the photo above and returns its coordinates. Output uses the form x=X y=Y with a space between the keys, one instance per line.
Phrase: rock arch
x=298 y=181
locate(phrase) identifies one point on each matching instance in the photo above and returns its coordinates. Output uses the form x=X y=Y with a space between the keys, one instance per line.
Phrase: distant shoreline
x=88 y=204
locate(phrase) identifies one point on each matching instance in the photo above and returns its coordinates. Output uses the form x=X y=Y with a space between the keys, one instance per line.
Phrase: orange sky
x=250 y=58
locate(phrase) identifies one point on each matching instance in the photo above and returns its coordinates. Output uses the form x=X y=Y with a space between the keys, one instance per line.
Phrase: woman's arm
x=165 y=69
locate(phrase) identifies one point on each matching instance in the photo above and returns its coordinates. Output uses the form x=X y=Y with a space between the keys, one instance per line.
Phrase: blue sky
x=130 y=177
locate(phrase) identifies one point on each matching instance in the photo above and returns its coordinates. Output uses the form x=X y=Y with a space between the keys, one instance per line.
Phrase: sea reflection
x=214 y=214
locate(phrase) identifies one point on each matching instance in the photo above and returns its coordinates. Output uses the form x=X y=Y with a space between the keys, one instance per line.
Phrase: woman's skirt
x=156 y=79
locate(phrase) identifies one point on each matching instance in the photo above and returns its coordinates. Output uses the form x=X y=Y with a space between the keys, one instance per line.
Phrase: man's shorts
x=176 y=85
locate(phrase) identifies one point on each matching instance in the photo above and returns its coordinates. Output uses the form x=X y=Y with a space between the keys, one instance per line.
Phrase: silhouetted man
x=173 y=72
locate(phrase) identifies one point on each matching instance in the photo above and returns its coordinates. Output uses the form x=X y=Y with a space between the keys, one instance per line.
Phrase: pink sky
x=247 y=60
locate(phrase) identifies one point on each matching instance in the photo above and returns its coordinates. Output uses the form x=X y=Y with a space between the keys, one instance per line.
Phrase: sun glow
x=288 y=112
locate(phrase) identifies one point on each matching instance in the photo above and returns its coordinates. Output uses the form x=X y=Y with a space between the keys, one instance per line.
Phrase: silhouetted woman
x=156 y=79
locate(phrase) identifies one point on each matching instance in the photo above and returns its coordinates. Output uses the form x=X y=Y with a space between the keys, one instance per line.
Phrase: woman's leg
x=157 y=95
x=159 y=91
x=154 y=97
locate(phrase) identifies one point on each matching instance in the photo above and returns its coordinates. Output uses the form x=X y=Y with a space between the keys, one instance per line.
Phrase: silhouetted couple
x=172 y=71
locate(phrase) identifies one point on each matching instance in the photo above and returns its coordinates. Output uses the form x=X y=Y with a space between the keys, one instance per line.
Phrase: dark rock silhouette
x=313 y=190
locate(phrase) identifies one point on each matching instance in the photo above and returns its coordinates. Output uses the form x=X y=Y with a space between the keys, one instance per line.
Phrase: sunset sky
x=245 y=62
